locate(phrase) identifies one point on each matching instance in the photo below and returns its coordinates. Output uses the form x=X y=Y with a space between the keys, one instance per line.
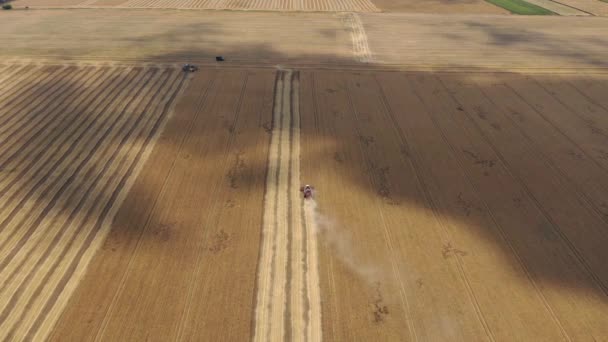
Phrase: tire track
x=288 y=301
x=361 y=50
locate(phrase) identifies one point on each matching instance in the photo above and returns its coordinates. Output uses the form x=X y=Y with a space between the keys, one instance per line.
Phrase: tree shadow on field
x=365 y=137
x=530 y=232
x=542 y=45
x=491 y=203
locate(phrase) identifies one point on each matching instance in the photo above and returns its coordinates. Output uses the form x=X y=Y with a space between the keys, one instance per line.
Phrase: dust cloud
x=340 y=243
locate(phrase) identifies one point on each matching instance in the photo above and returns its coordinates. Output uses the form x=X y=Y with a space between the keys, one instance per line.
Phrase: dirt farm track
x=459 y=161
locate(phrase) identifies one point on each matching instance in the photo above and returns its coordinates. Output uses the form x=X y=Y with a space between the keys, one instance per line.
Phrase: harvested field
x=184 y=36
x=532 y=7
x=439 y=6
x=192 y=231
x=73 y=141
x=257 y=5
x=594 y=7
x=260 y=5
x=489 y=43
x=459 y=164
x=317 y=40
x=473 y=227
x=557 y=8
x=49 y=3
x=448 y=207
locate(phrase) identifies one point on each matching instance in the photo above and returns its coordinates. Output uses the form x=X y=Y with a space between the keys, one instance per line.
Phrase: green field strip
x=521 y=7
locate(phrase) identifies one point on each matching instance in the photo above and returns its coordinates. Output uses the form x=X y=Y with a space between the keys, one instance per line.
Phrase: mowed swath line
x=361 y=50
x=54 y=118
x=46 y=162
x=11 y=82
x=23 y=89
x=13 y=261
x=47 y=173
x=72 y=153
x=27 y=118
x=288 y=301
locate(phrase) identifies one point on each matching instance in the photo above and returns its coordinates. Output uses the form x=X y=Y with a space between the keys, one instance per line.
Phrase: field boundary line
x=333 y=65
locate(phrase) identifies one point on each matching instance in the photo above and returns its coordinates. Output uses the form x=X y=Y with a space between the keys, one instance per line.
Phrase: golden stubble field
x=448 y=206
x=143 y=203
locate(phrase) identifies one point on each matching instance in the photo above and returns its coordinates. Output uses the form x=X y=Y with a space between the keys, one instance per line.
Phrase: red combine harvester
x=307 y=190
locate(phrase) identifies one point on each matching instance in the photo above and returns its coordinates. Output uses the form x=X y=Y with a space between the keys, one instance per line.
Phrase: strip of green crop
x=521 y=7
